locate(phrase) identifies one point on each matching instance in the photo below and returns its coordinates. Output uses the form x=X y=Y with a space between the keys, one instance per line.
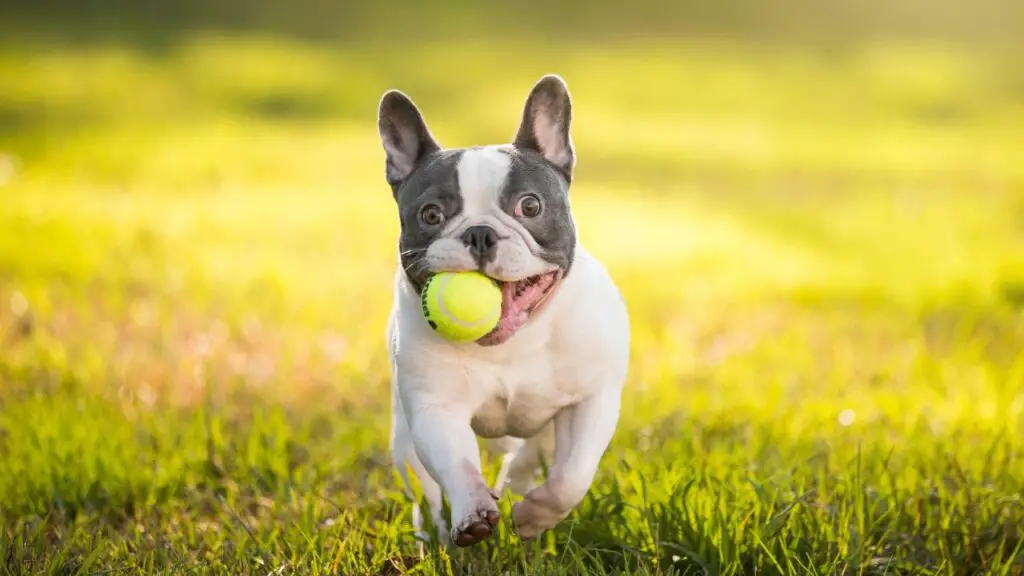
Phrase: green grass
x=823 y=256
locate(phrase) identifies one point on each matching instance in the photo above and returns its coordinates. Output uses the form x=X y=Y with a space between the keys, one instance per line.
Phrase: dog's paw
x=532 y=515
x=478 y=525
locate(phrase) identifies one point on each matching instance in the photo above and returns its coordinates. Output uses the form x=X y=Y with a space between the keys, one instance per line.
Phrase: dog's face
x=500 y=210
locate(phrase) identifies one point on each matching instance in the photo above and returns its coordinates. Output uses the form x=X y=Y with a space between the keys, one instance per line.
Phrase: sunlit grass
x=821 y=255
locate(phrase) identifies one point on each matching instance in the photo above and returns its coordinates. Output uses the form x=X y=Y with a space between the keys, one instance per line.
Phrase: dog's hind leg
x=509 y=448
x=521 y=464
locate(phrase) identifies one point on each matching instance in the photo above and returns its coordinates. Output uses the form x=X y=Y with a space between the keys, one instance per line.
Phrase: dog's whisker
x=415 y=267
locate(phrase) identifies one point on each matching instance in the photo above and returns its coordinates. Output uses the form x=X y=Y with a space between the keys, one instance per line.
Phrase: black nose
x=482 y=242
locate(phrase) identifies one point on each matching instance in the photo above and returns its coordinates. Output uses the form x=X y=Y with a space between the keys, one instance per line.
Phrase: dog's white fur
x=552 y=390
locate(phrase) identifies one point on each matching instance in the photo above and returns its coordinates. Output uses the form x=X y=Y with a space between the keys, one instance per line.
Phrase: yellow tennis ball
x=461 y=306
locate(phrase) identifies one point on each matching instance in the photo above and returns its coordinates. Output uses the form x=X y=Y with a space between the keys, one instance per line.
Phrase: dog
x=545 y=385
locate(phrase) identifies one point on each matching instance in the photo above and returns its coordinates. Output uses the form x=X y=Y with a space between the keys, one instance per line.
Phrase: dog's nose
x=482 y=242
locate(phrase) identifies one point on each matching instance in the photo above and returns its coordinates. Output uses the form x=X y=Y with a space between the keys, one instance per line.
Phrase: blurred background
x=815 y=211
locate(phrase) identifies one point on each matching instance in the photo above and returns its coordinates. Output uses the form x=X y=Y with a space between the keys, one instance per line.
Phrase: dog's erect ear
x=546 y=120
x=404 y=135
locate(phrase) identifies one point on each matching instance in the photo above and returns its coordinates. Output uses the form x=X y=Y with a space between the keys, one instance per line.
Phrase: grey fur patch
x=434 y=181
x=553 y=229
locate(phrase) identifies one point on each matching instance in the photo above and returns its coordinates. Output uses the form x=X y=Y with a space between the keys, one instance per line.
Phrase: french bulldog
x=546 y=382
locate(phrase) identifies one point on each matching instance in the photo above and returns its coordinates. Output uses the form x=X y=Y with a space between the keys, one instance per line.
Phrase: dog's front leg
x=448 y=449
x=582 y=434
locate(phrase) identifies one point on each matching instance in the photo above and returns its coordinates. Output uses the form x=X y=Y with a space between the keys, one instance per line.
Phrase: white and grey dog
x=546 y=382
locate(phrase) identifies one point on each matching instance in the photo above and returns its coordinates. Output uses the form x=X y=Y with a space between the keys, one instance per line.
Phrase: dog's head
x=501 y=210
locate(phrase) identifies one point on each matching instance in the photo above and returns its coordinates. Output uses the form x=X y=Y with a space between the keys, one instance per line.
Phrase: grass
x=822 y=256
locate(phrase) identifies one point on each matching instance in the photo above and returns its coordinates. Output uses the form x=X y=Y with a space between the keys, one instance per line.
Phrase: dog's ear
x=404 y=134
x=546 y=121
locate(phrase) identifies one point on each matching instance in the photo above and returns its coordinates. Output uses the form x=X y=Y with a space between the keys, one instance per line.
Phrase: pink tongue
x=513 y=309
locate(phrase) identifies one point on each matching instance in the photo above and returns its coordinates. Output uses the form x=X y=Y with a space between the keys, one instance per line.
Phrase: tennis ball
x=461 y=306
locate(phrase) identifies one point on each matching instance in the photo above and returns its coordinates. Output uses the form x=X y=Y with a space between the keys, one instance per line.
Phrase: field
x=822 y=254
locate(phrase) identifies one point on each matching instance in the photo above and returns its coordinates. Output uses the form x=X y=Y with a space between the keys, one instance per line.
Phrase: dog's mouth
x=519 y=300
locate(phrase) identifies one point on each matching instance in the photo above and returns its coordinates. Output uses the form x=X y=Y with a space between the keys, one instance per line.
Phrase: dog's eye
x=528 y=207
x=431 y=215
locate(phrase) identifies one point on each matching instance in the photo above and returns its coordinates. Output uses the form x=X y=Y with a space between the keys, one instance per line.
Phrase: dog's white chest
x=515 y=389
x=521 y=402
